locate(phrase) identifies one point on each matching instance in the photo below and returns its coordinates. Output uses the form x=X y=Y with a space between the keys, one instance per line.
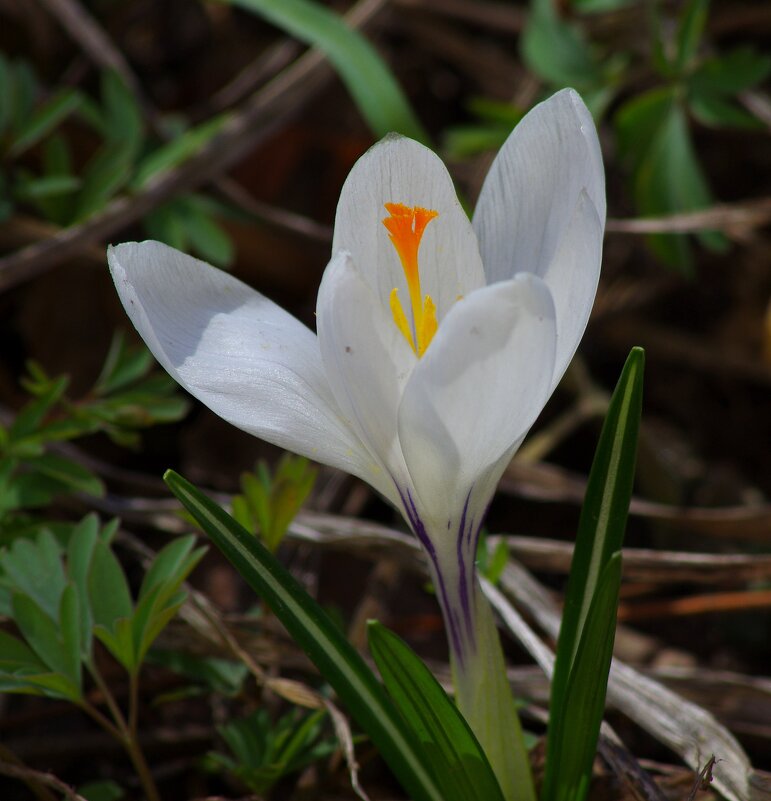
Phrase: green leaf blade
x=108 y=589
x=45 y=120
x=307 y=623
x=690 y=32
x=573 y=748
x=600 y=536
x=368 y=79
x=460 y=765
x=41 y=633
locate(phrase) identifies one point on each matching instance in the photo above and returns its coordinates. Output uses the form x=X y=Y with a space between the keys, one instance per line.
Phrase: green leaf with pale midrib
x=460 y=765
x=309 y=625
x=574 y=744
x=600 y=536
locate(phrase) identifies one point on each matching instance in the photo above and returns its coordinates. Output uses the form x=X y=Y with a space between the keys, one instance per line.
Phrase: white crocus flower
x=439 y=342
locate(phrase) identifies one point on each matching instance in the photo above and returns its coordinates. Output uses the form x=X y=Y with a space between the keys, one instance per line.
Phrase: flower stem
x=484 y=698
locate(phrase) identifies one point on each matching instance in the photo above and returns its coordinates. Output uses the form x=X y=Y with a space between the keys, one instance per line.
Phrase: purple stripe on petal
x=419 y=528
x=464 y=579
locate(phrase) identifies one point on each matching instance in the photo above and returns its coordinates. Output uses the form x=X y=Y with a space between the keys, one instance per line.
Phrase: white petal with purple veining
x=239 y=353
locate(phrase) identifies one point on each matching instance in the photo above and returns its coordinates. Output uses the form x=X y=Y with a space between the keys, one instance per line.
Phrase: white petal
x=477 y=390
x=531 y=191
x=368 y=362
x=239 y=353
x=572 y=277
x=399 y=170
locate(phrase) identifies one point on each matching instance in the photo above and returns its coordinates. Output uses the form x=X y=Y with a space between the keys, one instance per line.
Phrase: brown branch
x=38 y=777
x=697 y=605
x=85 y=30
x=548 y=482
x=736 y=219
x=647 y=565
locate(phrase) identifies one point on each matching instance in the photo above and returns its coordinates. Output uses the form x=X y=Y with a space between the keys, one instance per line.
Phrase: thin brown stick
x=8 y=757
x=647 y=565
x=39 y=777
x=84 y=29
x=735 y=219
x=697 y=605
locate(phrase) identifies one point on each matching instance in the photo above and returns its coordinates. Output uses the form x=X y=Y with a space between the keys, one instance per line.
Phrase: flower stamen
x=405 y=226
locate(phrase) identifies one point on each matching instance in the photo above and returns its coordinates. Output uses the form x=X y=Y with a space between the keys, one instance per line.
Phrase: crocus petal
x=572 y=277
x=367 y=362
x=477 y=390
x=530 y=194
x=239 y=353
x=399 y=170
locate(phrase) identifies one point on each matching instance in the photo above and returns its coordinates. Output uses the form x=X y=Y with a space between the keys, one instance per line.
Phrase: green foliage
x=119 y=121
x=491 y=562
x=667 y=178
x=126 y=397
x=269 y=503
x=455 y=756
x=128 y=630
x=369 y=80
x=126 y=157
x=208 y=673
x=585 y=644
x=557 y=51
x=686 y=80
x=495 y=121
x=264 y=751
x=308 y=624
x=654 y=131
x=184 y=143
x=188 y=223
x=62 y=596
x=24 y=121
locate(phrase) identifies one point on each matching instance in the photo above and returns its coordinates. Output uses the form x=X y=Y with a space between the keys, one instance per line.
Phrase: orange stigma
x=405 y=229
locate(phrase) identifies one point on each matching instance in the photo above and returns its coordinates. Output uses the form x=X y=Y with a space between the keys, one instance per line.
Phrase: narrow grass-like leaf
x=690 y=32
x=123 y=365
x=459 y=763
x=600 y=536
x=72 y=476
x=368 y=79
x=177 y=150
x=573 y=746
x=45 y=120
x=308 y=624
x=47 y=187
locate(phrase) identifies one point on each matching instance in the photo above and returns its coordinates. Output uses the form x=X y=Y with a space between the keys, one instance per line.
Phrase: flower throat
x=405 y=226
